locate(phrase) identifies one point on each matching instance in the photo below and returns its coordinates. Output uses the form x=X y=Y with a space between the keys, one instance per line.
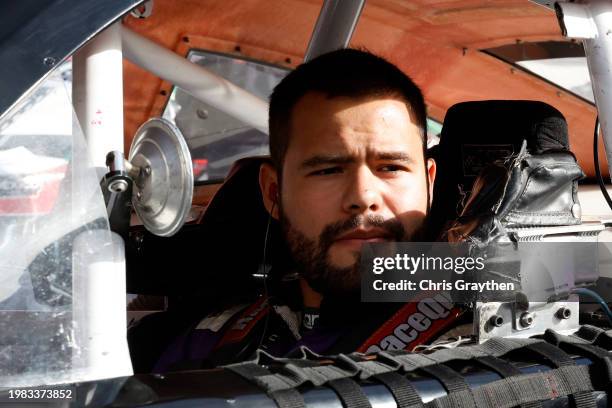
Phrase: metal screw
x=49 y=61
x=564 y=313
x=527 y=319
x=139 y=195
x=147 y=170
x=496 y=321
x=118 y=186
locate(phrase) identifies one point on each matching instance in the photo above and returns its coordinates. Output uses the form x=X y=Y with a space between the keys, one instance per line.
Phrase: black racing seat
x=477 y=134
x=215 y=257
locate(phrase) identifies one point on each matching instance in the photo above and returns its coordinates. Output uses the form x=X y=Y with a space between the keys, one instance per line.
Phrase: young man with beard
x=348 y=167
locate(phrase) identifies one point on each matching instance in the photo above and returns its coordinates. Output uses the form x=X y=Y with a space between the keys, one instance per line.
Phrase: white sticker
x=216 y=321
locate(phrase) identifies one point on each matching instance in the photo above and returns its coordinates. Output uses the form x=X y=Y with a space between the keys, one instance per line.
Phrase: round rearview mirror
x=163 y=183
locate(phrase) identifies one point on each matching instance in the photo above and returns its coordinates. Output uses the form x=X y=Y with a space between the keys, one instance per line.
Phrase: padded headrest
x=476 y=134
x=239 y=193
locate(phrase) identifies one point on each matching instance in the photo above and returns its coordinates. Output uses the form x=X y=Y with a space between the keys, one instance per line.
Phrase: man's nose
x=362 y=193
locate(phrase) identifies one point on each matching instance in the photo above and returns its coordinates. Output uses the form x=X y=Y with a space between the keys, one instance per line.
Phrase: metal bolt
x=118 y=186
x=147 y=170
x=139 y=195
x=527 y=319
x=564 y=313
x=496 y=321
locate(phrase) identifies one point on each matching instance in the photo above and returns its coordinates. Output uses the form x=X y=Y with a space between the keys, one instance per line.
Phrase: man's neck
x=311 y=298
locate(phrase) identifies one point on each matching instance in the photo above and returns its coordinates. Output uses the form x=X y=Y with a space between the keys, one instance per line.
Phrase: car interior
x=519 y=162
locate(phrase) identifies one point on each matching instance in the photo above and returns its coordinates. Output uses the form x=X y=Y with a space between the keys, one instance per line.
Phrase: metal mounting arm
x=591 y=21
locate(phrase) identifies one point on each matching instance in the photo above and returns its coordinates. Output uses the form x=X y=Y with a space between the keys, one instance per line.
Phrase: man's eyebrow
x=394 y=156
x=321 y=159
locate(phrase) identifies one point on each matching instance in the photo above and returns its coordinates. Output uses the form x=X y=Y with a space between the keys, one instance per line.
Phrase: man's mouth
x=363 y=236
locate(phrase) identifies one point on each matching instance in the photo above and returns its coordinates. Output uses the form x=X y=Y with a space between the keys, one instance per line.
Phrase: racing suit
x=281 y=328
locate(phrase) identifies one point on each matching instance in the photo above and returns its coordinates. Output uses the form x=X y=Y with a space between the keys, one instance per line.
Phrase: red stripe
x=401 y=317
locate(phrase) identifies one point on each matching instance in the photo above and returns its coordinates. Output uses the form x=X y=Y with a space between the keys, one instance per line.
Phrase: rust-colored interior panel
x=437 y=42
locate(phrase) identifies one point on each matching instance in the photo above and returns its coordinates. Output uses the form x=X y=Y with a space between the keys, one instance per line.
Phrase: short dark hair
x=341 y=73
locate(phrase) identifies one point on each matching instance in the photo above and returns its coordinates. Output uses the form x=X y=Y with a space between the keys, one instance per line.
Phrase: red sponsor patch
x=414 y=324
x=245 y=322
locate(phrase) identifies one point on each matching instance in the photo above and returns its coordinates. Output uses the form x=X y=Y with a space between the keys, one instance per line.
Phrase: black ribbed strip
x=560 y=358
x=600 y=358
x=520 y=390
x=403 y=391
x=286 y=398
x=556 y=356
x=350 y=393
x=505 y=369
x=450 y=379
x=502 y=367
x=290 y=398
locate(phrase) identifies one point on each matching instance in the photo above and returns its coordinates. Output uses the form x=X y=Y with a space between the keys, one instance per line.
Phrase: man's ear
x=268 y=183
x=431 y=176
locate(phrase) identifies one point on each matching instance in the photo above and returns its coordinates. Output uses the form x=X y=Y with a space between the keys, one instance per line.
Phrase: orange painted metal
x=436 y=42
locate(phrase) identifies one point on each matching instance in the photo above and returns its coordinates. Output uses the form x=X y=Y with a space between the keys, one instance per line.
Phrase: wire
x=594 y=295
x=600 y=179
x=265 y=275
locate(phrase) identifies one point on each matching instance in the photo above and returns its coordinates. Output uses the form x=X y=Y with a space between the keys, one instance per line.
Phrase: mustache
x=393 y=227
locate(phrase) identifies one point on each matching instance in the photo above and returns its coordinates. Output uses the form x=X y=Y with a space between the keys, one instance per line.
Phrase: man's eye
x=391 y=168
x=326 y=171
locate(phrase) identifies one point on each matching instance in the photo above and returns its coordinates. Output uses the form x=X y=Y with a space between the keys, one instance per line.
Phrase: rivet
x=202 y=113
x=118 y=186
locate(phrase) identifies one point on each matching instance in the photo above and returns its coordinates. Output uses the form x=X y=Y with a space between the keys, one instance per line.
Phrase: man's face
x=353 y=173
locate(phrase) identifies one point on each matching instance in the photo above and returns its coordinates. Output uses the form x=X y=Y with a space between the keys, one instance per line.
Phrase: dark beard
x=311 y=257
